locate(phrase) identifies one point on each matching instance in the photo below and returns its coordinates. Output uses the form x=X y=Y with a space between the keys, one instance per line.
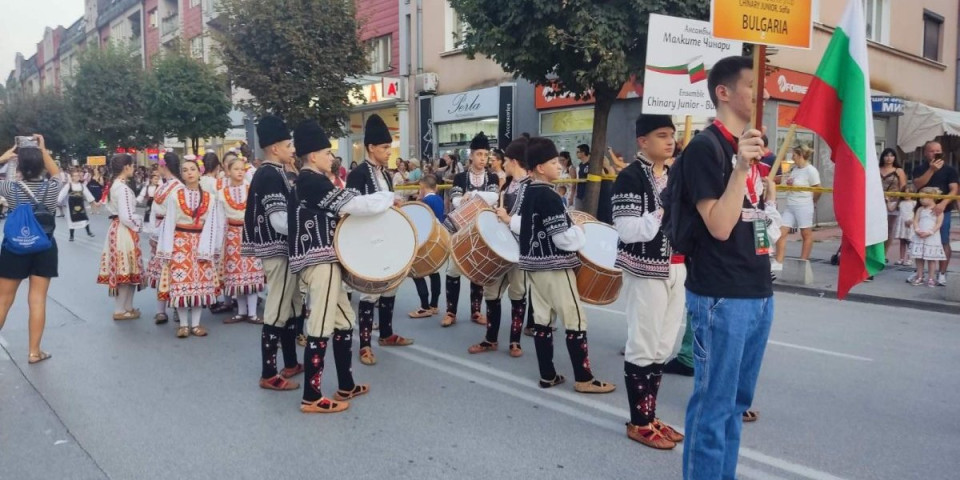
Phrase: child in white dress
x=925 y=245
x=904 y=227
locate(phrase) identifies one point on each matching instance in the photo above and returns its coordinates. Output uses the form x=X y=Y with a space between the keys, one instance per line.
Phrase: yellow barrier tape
x=789 y=188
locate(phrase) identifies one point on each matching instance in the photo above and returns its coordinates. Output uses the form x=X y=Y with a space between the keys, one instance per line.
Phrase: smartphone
x=23 y=142
x=938 y=156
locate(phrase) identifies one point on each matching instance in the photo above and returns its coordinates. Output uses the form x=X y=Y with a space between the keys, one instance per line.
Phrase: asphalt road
x=847 y=391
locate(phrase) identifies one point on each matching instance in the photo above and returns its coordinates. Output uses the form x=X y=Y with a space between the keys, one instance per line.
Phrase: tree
x=296 y=58
x=46 y=113
x=585 y=47
x=107 y=97
x=186 y=98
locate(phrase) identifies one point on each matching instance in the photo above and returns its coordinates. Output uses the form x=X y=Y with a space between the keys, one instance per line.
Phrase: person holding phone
x=933 y=172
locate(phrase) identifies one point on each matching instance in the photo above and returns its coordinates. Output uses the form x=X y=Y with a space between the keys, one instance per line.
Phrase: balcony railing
x=169 y=25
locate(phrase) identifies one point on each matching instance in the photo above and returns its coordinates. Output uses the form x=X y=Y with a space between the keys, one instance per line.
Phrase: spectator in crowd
x=40 y=267
x=800 y=205
x=416 y=174
x=933 y=172
x=893 y=179
x=583 y=155
x=566 y=190
x=496 y=166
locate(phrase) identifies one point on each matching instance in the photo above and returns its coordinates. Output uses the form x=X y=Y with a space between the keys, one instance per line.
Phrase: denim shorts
x=945 y=228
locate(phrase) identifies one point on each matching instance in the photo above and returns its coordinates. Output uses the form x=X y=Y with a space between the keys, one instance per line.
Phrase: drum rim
x=498 y=221
x=584 y=259
x=406 y=270
x=468 y=228
x=432 y=216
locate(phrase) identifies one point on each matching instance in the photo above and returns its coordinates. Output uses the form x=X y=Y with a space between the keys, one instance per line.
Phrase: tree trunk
x=195 y=145
x=604 y=98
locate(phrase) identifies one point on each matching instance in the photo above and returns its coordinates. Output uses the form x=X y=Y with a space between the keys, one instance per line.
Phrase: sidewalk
x=889 y=286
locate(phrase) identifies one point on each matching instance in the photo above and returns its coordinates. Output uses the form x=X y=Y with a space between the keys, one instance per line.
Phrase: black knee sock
x=577 y=348
x=493 y=320
x=530 y=323
x=543 y=341
x=269 y=343
x=365 y=322
x=434 y=290
x=288 y=343
x=517 y=309
x=342 y=356
x=476 y=298
x=300 y=320
x=453 y=294
x=656 y=375
x=385 y=309
x=71 y=234
x=313 y=355
x=88 y=230
x=422 y=292
x=640 y=394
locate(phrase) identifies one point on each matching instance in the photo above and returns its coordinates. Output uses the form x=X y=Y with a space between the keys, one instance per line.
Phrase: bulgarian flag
x=837 y=107
x=694 y=68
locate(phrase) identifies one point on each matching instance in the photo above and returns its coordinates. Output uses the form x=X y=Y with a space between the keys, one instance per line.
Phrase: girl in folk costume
x=312 y=214
x=77 y=196
x=213 y=180
x=242 y=276
x=191 y=236
x=120 y=265
x=169 y=170
x=475 y=181
x=148 y=194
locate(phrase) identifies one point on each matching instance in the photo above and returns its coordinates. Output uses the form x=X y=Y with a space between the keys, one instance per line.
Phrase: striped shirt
x=48 y=195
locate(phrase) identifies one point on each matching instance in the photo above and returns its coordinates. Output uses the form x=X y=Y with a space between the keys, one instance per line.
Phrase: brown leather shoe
x=482 y=347
x=358 y=389
x=367 y=357
x=478 y=318
x=594 y=386
x=395 y=341
x=667 y=431
x=278 y=383
x=290 y=372
x=324 y=405
x=650 y=436
x=515 y=350
x=448 y=320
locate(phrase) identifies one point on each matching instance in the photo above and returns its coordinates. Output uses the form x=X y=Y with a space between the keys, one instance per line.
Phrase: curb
x=928 y=306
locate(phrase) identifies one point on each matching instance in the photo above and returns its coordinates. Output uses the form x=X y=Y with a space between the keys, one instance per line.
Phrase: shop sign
x=679 y=53
x=483 y=103
x=784 y=23
x=789 y=85
x=505 y=114
x=546 y=96
x=386 y=89
x=426 y=127
x=390 y=88
x=887 y=105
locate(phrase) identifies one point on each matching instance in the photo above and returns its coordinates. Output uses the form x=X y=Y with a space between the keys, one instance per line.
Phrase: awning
x=921 y=123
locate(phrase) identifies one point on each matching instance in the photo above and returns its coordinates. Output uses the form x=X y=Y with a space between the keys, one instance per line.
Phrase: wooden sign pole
x=787 y=144
x=760 y=72
x=687 y=133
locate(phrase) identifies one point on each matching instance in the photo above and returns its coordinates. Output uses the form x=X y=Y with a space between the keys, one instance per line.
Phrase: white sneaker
x=912 y=278
x=942 y=279
x=776 y=266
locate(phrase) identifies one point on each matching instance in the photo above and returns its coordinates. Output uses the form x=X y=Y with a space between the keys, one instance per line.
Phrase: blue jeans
x=945 y=228
x=729 y=338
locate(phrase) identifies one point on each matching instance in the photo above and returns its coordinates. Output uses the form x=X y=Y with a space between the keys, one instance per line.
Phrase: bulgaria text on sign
x=679 y=54
x=785 y=23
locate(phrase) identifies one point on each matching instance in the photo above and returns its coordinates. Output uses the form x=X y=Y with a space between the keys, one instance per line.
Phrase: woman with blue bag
x=28 y=249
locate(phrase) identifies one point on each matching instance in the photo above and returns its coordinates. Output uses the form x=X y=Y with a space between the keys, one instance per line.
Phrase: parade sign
x=784 y=23
x=674 y=88
x=96 y=161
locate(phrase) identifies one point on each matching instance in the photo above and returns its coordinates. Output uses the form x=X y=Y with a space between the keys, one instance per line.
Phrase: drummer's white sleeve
x=572 y=240
x=490 y=197
x=633 y=229
x=515 y=224
x=278 y=220
x=372 y=204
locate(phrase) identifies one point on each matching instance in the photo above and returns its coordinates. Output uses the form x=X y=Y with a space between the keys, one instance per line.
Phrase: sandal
x=594 y=386
x=367 y=357
x=358 y=390
x=667 y=431
x=421 y=313
x=235 y=319
x=478 y=318
x=434 y=310
x=198 y=331
x=750 y=416
x=395 y=341
x=278 y=383
x=324 y=405
x=650 y=436
x=160 y=318
x=135 y=311
x=254 y=320
x=448 y=320
x=221 y=307
x=483 y=346
x=552 y=383
x=183 y=332
x=125 y=316
x=290 y=372
x=515 y=350
x=37 y=357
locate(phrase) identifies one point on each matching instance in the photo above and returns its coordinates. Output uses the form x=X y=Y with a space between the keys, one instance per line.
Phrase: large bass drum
x=598 y=278
x=433 y=241
x=376 y=252
x=486 y=250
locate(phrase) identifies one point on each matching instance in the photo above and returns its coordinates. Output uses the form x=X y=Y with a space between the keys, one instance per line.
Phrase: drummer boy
x=549 y=242
x=429 y=298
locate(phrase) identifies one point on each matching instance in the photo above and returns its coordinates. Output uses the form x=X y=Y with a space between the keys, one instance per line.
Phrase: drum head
x=601 y=246
x=423 y=220
x=376 y=247
x=498 y=236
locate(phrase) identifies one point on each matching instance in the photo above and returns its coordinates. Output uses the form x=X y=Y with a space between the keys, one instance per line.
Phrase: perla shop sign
x=483 y=103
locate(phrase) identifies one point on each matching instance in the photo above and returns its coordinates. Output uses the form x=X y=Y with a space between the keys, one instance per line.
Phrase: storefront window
x=568 y=128
x=460 y=133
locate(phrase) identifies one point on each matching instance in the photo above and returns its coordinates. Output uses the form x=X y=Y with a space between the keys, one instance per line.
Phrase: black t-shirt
x=582 y=171
x=726 y=269
x=941 y=179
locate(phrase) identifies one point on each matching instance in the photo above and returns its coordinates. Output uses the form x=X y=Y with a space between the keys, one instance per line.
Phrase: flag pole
x=759 y=71
x=787 y=143
x=687 y=133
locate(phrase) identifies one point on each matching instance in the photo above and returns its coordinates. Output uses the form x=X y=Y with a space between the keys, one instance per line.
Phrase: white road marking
x=771 y=342
x=568 y=396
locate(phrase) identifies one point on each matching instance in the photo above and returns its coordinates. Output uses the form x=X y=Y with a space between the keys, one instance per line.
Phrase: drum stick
x=787 y=143
x=501 y=198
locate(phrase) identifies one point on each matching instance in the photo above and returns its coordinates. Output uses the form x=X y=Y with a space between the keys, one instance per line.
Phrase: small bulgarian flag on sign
x=694 y=68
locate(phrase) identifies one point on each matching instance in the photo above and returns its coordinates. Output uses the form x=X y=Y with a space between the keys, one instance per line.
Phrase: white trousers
x=655 y=316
